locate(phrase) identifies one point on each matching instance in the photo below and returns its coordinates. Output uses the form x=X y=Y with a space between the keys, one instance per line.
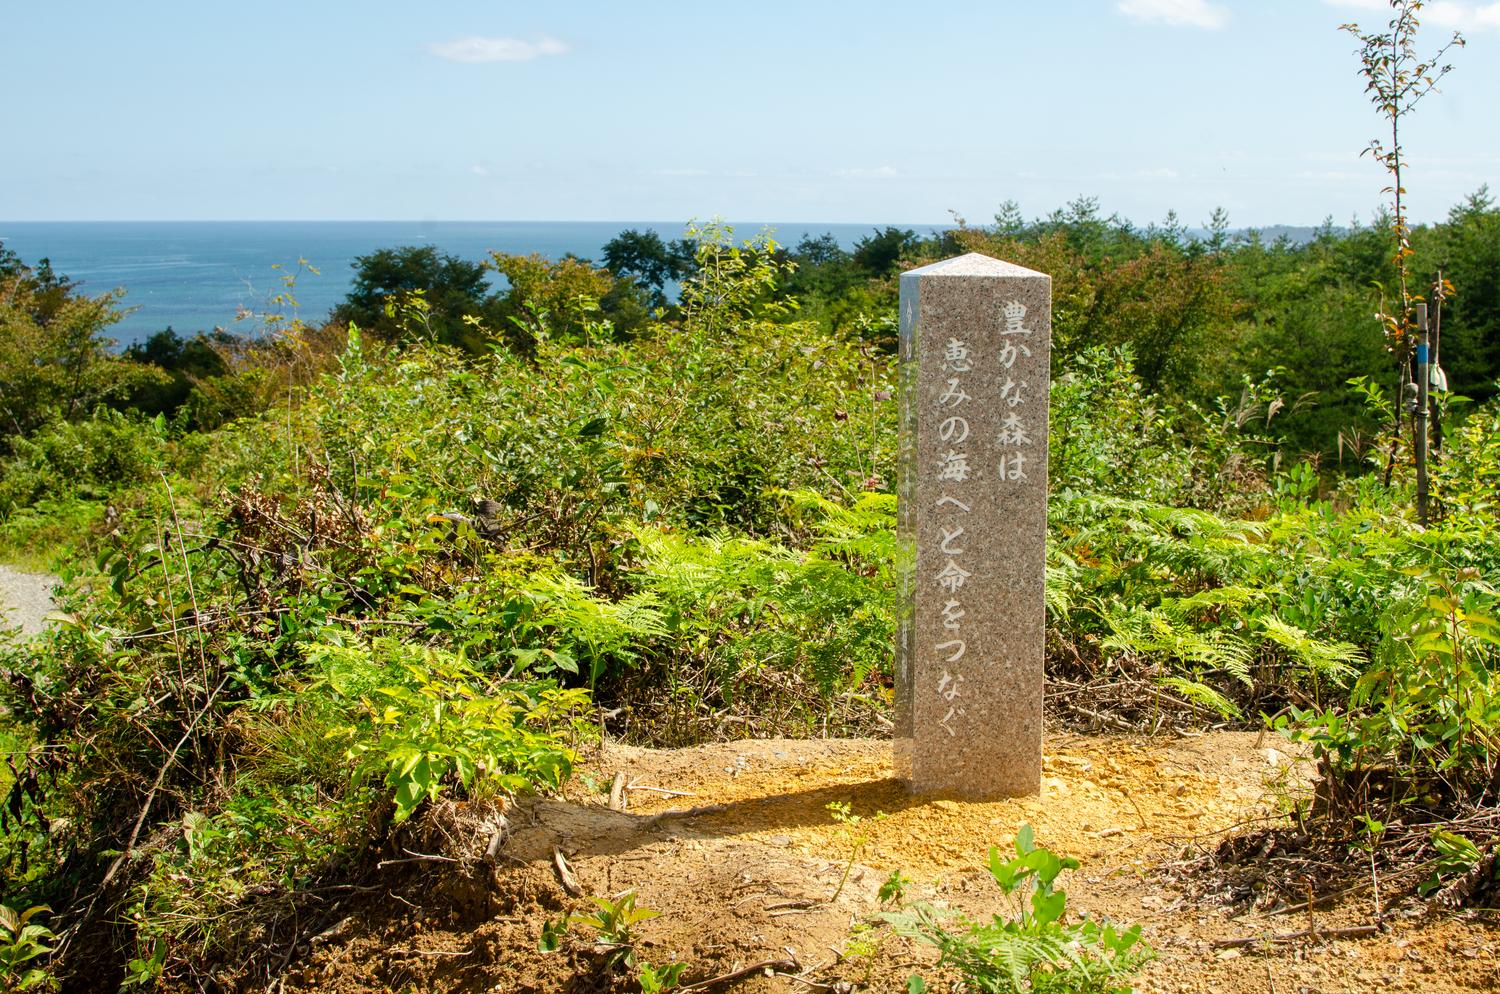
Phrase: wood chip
x=565 y=874
x=617 y=792
x=497 y=839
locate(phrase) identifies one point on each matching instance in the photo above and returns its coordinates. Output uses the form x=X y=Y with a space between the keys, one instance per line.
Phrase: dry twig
x=1307 y=933
x=617 y=792
x=786 y=966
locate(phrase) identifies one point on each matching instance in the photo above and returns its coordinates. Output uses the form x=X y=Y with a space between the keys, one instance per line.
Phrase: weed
x=894 y=888
x=1035 y=950
x=614 y=922
x=23 y=942
x=853 y=835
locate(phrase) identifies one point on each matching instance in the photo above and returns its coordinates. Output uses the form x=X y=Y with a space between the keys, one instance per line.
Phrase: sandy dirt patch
x=735 y=847
x=25 y=600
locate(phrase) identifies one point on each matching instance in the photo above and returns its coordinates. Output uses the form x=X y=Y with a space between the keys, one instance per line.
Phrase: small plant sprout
x=894 y=888
x=614 y=921
x=143 y=971
x=853 y=835
x=656 y=979
x=863 y=944
x=1372 y=829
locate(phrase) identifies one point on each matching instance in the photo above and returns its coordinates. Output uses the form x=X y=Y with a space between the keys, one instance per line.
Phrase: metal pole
x=1435 y=364
x=1424 y=377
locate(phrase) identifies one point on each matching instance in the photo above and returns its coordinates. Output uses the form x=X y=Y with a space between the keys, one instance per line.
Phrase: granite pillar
x=975 y=370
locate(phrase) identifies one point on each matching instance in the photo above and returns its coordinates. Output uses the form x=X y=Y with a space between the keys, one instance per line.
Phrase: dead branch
x=788 y=966
x=1307 y=933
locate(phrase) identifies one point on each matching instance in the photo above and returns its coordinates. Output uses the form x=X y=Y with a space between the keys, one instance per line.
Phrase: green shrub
x=1466 y=475
x=45 y=534
x=441 y=724
x=1110 y=435
x=1036 y=949
x=825 y=613
x=87 y=459
x=23 y=942
x=1422 y=726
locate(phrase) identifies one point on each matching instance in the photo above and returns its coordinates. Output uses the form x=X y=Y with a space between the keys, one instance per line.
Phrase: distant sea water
x=197 y=275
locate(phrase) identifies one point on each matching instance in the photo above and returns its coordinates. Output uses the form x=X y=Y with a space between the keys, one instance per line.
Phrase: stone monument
x=975 y=368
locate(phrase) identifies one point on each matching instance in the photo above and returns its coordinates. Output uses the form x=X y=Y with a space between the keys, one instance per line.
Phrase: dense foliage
x=318 y=583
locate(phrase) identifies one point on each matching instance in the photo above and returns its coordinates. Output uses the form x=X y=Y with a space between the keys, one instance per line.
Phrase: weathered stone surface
x=975 y=369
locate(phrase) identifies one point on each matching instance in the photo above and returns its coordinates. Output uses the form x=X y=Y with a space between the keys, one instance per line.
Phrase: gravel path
x=25 y=599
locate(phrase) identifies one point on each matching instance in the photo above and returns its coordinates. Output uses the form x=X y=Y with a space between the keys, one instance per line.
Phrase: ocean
x=198 y=275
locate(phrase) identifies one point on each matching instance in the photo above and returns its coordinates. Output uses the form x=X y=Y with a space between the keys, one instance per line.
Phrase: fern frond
x=1216 y=597
x=1338 y=661
x=1015 y=954
x=1201 y=693
x=1062 y=583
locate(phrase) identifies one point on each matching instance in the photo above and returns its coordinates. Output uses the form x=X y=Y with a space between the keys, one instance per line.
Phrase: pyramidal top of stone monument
x=972 y=264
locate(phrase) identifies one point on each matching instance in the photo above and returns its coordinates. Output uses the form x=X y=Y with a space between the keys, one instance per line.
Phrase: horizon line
x=435 y=220
x=736 y=224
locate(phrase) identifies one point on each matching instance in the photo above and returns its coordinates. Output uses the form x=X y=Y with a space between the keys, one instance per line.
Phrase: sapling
x=1396 y=79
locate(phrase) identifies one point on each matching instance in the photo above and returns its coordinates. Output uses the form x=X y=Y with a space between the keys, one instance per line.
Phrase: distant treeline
x=1202 y=312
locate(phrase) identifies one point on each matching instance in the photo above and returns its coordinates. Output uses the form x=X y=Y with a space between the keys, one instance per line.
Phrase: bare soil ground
x=734 y=846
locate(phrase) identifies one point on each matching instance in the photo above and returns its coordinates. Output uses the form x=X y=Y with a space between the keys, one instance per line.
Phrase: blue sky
x=767 y=110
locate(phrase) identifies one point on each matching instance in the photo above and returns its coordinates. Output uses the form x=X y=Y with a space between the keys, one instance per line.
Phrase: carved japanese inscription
x=975 y=354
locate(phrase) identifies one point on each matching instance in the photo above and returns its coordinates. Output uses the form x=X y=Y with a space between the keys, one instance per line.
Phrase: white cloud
x=1463 y=16
x=479 y=170
x=1184 y=13
x=477 y=49
x=1452 y=14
